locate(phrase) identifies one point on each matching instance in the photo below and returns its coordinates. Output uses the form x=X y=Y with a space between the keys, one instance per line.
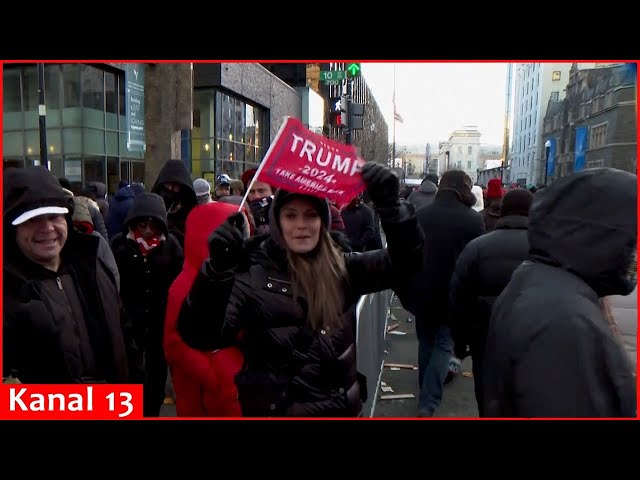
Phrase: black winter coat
x=35 y=347
x=482 y=271
x=550 y=351
x=291 y=370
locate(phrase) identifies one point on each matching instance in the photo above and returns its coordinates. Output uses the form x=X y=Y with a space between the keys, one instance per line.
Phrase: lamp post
x=42 y=113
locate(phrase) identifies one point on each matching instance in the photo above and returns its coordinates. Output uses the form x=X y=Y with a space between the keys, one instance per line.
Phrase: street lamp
x=42 y=113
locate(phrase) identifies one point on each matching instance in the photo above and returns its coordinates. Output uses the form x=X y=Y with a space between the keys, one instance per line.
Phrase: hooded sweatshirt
x=178 y=204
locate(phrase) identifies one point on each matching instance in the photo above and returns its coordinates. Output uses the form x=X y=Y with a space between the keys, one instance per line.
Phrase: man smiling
x=62 y=315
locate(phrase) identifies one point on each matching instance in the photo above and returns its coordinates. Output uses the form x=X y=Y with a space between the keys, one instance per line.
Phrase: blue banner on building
x=551 y=158
x=134 y=102
x=581 y=147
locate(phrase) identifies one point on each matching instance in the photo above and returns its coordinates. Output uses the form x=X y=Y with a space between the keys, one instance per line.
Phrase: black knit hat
x=516 y=202
x=282 y=197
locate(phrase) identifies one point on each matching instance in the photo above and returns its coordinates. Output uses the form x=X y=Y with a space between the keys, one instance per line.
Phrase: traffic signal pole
x=347 y=132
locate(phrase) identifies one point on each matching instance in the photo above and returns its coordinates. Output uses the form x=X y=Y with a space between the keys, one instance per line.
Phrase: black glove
x=226 y=244
x=383 y=185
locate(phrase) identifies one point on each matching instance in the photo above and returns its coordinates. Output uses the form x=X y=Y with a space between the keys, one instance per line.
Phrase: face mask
x=260 y=210
x=169 y=197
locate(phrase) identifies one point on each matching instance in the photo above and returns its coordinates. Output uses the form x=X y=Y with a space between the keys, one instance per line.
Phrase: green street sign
x=353 y=70
x=333 y=75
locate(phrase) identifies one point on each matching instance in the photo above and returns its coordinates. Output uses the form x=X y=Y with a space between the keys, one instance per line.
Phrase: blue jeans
x=435 y=348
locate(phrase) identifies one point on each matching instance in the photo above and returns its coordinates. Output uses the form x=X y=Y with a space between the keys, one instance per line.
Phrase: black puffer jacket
x=550 y=351
x=291 y=370
x=482 y=271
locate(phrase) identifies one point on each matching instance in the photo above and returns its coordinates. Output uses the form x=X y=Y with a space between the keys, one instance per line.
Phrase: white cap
x=36 y=212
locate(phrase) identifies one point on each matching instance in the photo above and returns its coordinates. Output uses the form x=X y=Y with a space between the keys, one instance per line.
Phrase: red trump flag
x=301 y=161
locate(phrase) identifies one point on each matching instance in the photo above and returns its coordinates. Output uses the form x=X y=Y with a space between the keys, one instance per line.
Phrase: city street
x=458 y=399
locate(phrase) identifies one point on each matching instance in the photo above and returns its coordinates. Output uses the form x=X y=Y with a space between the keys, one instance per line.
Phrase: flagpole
x=393 y=159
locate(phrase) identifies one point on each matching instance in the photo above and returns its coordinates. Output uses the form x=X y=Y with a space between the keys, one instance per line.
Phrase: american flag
x=396 y=116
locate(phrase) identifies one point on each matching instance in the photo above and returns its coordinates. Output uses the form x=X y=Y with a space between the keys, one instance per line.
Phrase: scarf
x=145 y=246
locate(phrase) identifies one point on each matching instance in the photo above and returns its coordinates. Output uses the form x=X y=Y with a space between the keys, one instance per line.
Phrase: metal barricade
x=372 y=314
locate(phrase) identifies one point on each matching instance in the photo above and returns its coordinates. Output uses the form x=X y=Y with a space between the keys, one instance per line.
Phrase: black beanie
x=282 y=197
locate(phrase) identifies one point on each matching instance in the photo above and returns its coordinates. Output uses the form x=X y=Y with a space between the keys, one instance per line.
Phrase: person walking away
x=482 y=271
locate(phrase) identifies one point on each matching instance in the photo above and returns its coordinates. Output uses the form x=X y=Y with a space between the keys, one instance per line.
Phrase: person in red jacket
x=203 y=381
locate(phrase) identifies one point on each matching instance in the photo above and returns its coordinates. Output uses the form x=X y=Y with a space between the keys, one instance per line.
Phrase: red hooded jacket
x=203 y=381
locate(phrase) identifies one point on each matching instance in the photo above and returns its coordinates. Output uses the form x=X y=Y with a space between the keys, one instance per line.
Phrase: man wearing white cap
x=62 y=312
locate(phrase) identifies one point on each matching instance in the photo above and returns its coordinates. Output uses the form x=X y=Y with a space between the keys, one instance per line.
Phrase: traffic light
x=339 y=111
x=353 y=70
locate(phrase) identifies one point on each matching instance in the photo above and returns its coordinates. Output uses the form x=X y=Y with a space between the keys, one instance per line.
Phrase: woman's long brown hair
x=320 y=279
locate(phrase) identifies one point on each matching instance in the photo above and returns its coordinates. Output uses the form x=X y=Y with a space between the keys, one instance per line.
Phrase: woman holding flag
x=288 y=301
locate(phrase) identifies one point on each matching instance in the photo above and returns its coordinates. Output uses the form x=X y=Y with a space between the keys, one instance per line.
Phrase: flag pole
x=263 y=163
x=393 y=155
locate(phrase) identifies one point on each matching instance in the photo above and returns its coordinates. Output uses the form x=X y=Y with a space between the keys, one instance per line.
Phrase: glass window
x=94 y=169
x=30 y=84
x=227 y=117
x=71 y=84
x=124 y=170
x=137 y=172
x=469 y=151
x=111 y=100
x=238 y=152
x=227 y=150
x=32 y=141
x=12 y=144
x=112 y=143
x=113 y=174
x=94 y=141
x=121 y=102
x=72 y=140
x=56 y=165
x=218 y=120
x=250 y=154
x=52 y=87
x=72 y=116
x=250 y=125
x=73 y=170
x=92 y=87
x=54 y=141
x=203 y=111
x=239 y=122
x=11 y=90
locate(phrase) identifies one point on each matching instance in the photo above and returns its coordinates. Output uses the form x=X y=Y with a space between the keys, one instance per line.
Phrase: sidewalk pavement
x=458 y=398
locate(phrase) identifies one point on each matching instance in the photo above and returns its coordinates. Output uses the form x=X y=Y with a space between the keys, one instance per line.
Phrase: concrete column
x=168 y=109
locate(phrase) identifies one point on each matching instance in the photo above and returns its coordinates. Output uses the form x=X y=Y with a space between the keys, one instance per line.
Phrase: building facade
x=595 y=125
x=238 y=110
x=535 y=85
x=217 y=118
x=462 y=151
x=86 y=130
